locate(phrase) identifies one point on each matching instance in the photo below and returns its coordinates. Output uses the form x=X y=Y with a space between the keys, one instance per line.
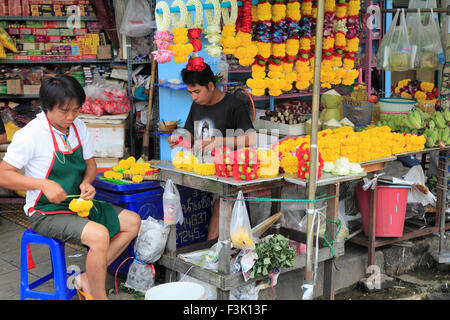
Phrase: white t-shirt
x=32 y=149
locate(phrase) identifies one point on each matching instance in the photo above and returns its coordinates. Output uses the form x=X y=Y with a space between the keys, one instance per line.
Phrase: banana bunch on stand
x=435 y=127
x=437 y=131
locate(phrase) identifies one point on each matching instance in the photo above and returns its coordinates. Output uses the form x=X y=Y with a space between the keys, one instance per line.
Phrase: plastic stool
x=59 y=273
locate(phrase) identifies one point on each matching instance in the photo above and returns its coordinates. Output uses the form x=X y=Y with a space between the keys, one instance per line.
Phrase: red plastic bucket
x=390 y=209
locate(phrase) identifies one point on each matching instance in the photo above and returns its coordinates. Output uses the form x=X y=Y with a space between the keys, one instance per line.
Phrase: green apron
x=68 y=169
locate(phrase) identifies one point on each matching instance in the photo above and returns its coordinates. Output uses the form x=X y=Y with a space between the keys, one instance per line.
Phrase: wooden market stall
x=228 y=188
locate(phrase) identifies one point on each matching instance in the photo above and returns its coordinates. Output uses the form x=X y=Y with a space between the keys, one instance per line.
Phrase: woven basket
x=129 y=176
x=427 y=106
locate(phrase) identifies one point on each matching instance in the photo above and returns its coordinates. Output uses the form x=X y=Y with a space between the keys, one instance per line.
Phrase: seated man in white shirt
x=56 y=151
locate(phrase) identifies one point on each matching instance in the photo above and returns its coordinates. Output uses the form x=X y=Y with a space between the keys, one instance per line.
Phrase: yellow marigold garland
x=228 y=41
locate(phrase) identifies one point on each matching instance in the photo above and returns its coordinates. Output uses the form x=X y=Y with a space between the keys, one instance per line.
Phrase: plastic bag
x=343 y=232
x=431 y=52
x=240 y=229
x=137 y=21
x=416 y=37
x=140 y=277
x=417 y=176
x=105 y=98
x=173 y=213
x=395 y=52
x=416 y=4
x=383 y=50
x=151 y=240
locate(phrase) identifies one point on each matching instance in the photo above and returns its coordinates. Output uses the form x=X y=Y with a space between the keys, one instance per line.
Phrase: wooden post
x=440 y=198
x=332 y=214
x=171 y=250
x=225 y=242
x=313 y=144
x=146 y=138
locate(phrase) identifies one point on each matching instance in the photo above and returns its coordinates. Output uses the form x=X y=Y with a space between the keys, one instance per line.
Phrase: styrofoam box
x=284 y=129
x=108 y=139
x=106 y=162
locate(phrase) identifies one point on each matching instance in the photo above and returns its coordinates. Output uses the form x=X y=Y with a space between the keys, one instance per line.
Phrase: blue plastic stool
x=59 y=273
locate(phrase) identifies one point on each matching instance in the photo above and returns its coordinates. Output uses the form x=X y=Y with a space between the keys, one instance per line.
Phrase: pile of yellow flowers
x=130 y=166
x=205 y=169
x=287 y=149
x=269 y=164
x=81 y=207
x=110 y=174
x=184 y=161
x=371 y=144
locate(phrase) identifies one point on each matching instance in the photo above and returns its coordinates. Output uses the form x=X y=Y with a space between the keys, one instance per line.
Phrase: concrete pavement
x=351 y=267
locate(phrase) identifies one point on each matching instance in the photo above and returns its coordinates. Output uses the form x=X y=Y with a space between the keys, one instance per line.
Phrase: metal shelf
x=183 y=86
x=35 y=18
x=240 y=71
x=138 y=62
x=284 y=96
x=52 y=61
x=23 y=96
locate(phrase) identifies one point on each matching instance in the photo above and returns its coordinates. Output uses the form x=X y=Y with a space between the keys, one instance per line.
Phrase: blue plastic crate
x=122 y=188
x=196 y=205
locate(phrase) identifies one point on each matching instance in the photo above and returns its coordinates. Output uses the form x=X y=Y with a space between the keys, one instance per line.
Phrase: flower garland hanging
x=181 y=47
x=303 y=65
x=276 y=82
x=293 y=40
x=247 y=50
x=212 y=32
x=257 y=82
x=352 y=11
x=163 y=38
x=262 y=37
x=262 y=28
x=194 y=27
x=229 y=41
x=327 y=74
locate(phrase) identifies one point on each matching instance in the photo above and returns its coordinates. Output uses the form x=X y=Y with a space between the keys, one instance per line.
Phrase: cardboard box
x=14 y=86
x=104 y=52
x=31 y=89
x=109 y=139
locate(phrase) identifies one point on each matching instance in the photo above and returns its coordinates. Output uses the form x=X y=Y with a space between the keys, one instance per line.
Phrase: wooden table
x=411 y=231
x=228 y=187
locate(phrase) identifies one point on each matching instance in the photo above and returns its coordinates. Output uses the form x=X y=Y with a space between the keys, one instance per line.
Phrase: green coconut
x=308 y=126
x=331 y=99
x=328 y=114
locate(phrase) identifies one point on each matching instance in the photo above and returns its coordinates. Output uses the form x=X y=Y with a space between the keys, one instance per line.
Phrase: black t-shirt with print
x=2 y=127
x=228 y=113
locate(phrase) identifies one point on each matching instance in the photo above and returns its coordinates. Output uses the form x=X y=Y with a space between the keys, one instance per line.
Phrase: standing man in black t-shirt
x=216 y=119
